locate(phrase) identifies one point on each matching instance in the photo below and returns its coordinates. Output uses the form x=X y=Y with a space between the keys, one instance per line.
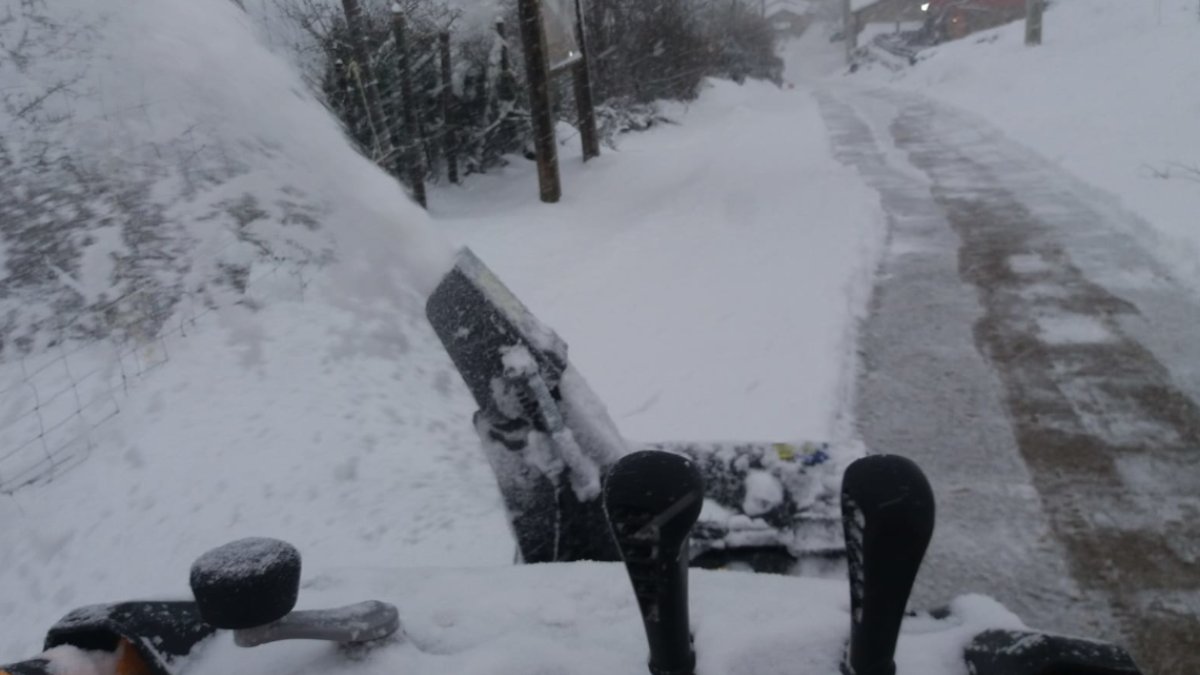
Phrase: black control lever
x=653 y=499
x=887 y=516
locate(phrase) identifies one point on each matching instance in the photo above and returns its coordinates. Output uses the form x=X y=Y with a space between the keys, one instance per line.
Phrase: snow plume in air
x=158 y=153
x=214 y=74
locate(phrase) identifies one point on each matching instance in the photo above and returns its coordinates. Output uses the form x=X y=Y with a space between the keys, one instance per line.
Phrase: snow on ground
x=582 y=619
x=345 y=432
x=1111 y=97
x=707 y=277
x=1063 y=329
x=328 y=415
x=812 y=57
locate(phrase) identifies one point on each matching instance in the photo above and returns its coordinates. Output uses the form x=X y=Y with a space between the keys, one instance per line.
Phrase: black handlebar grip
x=246 y=583
x=39 y=666
x=652 y=500
x=887 y=516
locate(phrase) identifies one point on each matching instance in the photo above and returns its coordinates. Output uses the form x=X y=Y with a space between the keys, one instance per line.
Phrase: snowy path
x=1006 y=289
x=706 y=276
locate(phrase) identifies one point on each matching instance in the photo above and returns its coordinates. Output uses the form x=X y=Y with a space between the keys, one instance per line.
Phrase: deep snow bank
x=188 y=186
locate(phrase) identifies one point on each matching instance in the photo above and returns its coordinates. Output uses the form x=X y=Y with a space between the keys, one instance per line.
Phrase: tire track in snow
x=925 y=392
x=1091 y=406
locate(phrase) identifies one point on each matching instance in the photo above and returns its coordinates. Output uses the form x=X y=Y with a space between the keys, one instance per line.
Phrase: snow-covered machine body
x=549 y=440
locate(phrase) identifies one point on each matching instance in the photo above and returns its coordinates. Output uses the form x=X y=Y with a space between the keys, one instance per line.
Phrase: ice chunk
x=763 y=493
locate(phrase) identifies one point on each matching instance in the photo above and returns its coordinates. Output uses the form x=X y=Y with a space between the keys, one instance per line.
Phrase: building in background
x=888 y=11
x=789 y=18
x=954 y=19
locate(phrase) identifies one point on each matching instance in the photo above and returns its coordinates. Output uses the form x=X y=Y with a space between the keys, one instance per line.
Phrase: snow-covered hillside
x=582 y=619
x=183 y=184
x=1111 y=96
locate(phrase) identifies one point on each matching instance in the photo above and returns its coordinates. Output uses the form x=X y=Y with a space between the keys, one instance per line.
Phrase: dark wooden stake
x=504 y=62
x=533 y=35
x=410 y=158
x=449 y=138
x=583 y=91
x=362 y=71
x=1033 y=22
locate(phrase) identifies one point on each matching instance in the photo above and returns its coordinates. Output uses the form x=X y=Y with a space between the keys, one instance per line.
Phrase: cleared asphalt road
x=1043 y=368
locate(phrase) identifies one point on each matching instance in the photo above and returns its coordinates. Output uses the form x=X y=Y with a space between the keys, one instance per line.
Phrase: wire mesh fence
x=53 y=402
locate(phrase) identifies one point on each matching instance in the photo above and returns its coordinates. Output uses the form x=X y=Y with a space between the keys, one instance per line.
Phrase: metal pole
x=1033 y=22
x=412 y=154
x=537 y=71
x=449 y=137
x=583 y=91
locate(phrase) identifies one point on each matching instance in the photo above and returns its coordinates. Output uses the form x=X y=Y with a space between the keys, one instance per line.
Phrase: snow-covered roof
x=773 y=7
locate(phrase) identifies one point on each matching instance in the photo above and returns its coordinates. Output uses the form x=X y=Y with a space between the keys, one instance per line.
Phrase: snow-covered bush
x=621 y=116
x=645 y=51
x=641 y=52
x=486 y=116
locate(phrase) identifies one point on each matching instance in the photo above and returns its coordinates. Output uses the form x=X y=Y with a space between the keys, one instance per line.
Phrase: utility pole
x=1033 y=22
x=583 y=90
x=537 y=70
x=849 y=31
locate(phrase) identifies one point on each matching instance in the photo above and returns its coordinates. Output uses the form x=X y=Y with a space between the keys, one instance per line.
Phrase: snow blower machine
x=572 y=618
x=598 y=514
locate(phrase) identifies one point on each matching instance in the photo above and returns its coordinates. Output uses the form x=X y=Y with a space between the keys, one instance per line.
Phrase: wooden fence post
x=449 y=137
x=583 y=91
x=410 y=158
x=1033 y=22
x=533 y=35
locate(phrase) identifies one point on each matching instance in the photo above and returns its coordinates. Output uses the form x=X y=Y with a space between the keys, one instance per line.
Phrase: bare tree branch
x=1174 y=170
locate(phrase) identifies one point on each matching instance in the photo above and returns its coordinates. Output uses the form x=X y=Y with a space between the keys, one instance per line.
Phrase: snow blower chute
x=550 y=442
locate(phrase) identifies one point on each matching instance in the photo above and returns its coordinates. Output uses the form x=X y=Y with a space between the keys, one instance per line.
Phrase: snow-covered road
x=1042 y=366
